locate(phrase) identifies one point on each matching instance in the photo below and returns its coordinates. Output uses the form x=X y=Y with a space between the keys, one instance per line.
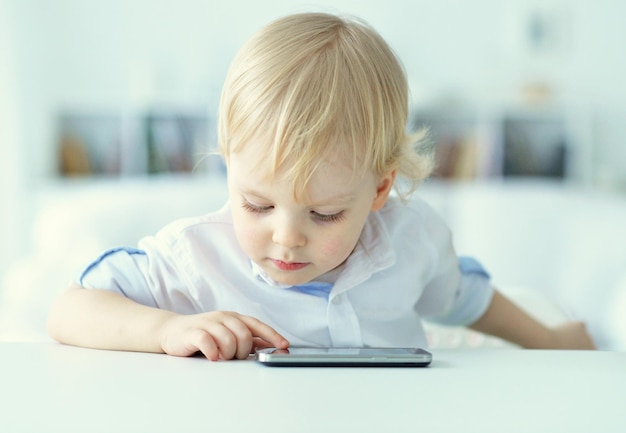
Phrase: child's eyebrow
x=252 y=192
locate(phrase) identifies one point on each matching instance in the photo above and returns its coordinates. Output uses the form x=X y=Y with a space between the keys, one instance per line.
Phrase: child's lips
x=288 y=266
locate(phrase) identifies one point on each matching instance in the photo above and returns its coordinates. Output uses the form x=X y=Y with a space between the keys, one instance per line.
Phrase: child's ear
x=383 y=189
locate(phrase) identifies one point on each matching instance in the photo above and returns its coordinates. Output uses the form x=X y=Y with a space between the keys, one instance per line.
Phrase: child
x=313 y=247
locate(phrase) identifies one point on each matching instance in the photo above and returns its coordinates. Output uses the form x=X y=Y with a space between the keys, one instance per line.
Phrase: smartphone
x=344 y=357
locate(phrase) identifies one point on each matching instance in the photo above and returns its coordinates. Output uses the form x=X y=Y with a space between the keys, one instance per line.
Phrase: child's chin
x=291 y=280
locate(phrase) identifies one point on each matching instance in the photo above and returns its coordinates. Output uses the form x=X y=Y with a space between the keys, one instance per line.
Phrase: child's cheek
x=336 y=248
x=248 y=236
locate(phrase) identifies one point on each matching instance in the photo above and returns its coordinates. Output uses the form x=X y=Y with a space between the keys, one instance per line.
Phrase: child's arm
x=505 y=320
x=107 y=320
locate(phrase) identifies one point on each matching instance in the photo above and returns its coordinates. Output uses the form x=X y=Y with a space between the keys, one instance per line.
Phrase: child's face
x=297 y=241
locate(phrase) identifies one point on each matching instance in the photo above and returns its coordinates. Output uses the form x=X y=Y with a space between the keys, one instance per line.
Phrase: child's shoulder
x=185 y=242
x=415 y=213
x=209 y=223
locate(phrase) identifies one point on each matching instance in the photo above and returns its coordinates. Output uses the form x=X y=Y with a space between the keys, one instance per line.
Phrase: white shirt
x=402 y=270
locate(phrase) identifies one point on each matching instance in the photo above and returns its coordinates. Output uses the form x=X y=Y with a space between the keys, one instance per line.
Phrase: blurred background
x=108 y=109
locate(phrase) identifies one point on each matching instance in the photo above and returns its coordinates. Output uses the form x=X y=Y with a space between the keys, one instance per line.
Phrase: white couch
x=556 y=250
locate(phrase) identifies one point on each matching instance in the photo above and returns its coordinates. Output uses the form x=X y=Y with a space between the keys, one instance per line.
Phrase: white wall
x=129 y=54
x=118 y=53
x=11 y=168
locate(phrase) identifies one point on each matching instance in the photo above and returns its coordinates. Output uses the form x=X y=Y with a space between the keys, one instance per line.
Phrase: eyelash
x=332 y=218
x=254 y=209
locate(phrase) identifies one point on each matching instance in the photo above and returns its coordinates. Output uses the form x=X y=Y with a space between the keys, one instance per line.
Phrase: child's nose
x=288 y=234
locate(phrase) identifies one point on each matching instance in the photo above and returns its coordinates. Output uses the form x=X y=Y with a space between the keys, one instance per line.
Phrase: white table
x=46 y=387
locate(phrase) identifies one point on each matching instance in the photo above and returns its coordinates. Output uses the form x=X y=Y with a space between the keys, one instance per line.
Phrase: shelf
x=92 y=143
x=474 y=144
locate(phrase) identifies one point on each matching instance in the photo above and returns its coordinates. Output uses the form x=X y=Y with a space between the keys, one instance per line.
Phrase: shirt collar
x=373 y=253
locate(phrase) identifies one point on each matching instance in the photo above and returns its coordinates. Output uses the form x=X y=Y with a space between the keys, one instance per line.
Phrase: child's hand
x=572 y=335
x=218 y=335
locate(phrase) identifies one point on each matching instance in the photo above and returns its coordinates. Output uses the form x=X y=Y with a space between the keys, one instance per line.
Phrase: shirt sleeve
x=473 y=295
x=122 y=270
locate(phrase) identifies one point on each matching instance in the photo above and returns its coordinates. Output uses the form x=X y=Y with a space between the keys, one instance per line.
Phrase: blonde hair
x=312 y=87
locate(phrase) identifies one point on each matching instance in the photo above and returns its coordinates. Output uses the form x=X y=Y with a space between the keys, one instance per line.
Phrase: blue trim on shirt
x=469 y=265
x=104 y=255
x=314 y=288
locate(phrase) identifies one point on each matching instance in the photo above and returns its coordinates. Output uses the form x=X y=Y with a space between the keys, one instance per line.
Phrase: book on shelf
x=94 y=144
x=456 y=158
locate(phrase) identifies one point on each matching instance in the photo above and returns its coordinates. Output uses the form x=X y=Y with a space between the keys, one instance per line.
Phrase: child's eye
x=254 y=208
x=332 y=218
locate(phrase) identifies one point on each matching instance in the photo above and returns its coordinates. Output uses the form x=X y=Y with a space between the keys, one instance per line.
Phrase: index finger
x=264 y=332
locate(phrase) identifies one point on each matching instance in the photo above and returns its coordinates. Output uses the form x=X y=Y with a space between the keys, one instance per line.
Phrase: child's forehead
x=258 y=163
x=253 y=170
x=273 y=156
